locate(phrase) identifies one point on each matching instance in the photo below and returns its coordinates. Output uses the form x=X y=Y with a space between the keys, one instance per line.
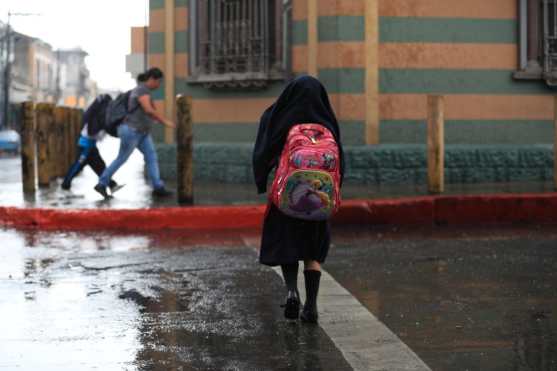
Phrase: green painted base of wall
x=384 y=164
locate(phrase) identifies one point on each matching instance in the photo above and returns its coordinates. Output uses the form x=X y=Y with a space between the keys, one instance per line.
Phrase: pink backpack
x=307 y=181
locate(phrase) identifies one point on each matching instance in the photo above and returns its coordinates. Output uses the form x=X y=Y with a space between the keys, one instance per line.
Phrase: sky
x=100 y=27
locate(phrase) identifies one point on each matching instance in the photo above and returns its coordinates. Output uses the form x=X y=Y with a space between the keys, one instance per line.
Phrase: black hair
x=153 y=72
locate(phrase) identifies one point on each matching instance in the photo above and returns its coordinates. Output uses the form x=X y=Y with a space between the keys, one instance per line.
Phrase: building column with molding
x=169 y=67
x=372 y=119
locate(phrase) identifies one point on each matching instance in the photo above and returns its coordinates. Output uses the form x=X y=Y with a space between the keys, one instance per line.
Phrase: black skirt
x=287 y=240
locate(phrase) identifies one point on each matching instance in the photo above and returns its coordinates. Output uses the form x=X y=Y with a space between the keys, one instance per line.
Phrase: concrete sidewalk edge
x=427 y=210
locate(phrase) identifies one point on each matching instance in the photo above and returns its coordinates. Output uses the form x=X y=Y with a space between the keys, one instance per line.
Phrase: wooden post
x=184 y=150
x=68 y=141
x=52 y=144
x=71 y=141
x=555 y=141
x=44 y=129
x=60 y=156
x=436 y=143
x=75 y=123
x=28 y=147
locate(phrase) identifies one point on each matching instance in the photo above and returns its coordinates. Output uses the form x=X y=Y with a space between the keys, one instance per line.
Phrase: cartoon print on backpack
x=309 y=196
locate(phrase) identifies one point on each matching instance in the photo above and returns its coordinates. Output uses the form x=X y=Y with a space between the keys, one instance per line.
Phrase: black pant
x=87 y=156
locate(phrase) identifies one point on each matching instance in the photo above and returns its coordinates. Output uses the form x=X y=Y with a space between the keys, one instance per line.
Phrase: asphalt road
x=464 y=299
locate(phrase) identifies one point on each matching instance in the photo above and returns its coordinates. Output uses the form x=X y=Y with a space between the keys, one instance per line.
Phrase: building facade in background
x=42 y=74
x=379 y=59
x=76 y=87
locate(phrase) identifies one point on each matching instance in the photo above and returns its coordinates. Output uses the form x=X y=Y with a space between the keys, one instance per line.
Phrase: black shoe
x=65 y=186
x=292 y=305
x=115 y=187
x=102 y=190
x=161 y=192
x=309 y=314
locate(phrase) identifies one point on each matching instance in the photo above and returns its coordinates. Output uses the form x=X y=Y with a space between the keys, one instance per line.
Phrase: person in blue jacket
x=91 y=133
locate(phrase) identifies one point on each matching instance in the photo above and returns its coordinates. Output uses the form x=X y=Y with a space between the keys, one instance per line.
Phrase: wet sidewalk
x=82 y=302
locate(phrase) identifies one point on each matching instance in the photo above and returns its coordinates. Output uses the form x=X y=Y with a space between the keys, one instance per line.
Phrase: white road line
x=364 y=341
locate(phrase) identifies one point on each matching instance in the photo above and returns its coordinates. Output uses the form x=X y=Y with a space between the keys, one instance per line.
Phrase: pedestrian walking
x=288 y=239
x=135 y=132
x=91 y=133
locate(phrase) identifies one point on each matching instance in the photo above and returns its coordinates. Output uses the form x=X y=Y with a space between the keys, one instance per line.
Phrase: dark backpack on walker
x=95 y=114
x=116 y=112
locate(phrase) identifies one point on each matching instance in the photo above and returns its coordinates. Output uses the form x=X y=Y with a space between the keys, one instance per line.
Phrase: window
x=538 y=40
x=236 y=43
x=550 y=41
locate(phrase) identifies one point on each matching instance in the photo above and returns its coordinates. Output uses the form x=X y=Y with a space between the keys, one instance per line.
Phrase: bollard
x=436 y=143
x=184 y=151
x=555 y=141
x=67 y=140
x=52 y=145
x=59 y=158
x=69 y=136
x=44 y=117
x=28 y=147
x=75 y=124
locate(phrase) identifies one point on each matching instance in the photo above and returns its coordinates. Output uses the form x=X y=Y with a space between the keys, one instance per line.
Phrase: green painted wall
x=384 y=164
x=159 y=4
x=413 y=29
x=156 y=4
x=157 y=46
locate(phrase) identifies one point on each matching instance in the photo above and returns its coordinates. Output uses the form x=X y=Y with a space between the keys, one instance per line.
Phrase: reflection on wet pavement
x=84 y=301
x=462 y=300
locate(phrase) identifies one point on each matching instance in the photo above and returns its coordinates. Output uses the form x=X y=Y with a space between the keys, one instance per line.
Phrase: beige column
x=169 y=67
x=313 y=37
x=372 y=71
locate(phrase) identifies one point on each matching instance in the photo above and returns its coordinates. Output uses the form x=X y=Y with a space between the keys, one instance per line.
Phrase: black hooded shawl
x=286 y=240
x=303 y=100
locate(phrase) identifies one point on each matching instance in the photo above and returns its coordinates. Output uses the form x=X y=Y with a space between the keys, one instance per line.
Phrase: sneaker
x=102 y=190
x=161 y=192
x=65 y=186
x=115 y=187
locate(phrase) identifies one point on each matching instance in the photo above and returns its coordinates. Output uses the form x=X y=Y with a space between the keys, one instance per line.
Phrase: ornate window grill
x=236 y=43
x=550 y=40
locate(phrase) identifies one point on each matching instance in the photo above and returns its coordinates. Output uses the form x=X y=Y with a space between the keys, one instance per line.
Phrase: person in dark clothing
x=91 y=132
x=286 y=240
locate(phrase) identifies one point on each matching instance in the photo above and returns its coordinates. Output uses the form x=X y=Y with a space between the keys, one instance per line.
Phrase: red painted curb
x=445 y=210
x=497 y=209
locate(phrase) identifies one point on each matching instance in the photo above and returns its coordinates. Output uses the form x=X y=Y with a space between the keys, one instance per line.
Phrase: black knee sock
x=312 y=279
x=290 y=274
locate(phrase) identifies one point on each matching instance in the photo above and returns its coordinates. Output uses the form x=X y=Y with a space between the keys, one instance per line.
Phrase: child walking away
x=91 y=133
x=134 y=132
x=299 y=135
